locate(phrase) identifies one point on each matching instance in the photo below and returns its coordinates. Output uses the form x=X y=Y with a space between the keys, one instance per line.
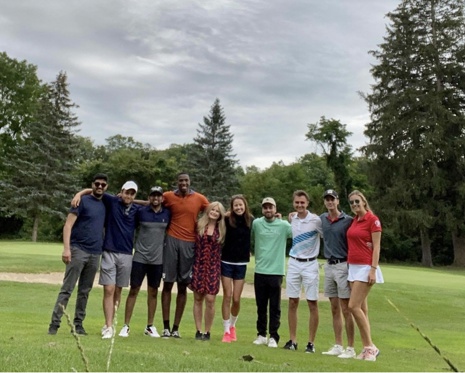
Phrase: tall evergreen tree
x=210 y=160
x=40 y=178
x=417 y=127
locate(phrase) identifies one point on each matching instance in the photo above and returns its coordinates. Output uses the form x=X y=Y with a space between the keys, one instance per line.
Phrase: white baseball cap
x=129 y=185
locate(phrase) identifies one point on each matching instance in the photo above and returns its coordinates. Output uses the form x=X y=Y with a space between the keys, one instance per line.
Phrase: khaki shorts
x=336 y=284
x=115 y=269
x=178 y=258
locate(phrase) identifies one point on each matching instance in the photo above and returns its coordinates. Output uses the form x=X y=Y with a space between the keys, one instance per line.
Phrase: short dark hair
x=100 y=176
x=301 y=193
x=182 y=173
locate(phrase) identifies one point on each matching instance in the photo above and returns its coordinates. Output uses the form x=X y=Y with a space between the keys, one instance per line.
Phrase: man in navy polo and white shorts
x=303 y=270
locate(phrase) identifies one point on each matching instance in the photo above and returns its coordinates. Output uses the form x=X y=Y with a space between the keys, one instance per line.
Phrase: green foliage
x=416 y=131
x=210 y=162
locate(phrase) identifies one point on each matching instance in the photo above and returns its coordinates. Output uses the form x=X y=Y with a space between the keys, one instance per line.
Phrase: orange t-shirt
x=184 y=213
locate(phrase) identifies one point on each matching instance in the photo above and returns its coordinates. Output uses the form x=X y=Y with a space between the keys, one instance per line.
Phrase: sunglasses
x=98 y=185
x=355 y=202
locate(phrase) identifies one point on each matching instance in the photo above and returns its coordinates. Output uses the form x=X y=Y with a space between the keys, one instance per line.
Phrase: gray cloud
x=152 y=69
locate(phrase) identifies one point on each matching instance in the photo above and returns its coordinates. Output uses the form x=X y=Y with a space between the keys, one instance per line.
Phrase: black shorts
x=153 y=271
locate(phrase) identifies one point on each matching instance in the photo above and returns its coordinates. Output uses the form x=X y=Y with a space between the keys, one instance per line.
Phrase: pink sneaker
x=226 y=338
x=232 y=332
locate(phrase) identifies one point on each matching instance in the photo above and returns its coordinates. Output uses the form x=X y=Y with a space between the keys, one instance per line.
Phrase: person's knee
x=167 y=287
x=293 y=303
x=182 y=289
x=134 y=291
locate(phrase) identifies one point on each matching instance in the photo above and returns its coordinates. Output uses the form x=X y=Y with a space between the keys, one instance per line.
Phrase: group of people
x=185 y=239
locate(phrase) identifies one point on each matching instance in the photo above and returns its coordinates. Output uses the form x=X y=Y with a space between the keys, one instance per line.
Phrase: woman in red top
x=364 y=243
x=206 y=270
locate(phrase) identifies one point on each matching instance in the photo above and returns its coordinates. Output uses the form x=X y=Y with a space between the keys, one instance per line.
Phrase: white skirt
x=360 y=272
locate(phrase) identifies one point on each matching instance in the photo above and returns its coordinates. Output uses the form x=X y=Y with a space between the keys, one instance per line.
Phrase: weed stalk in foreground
x=115 y=322
x=425 y=337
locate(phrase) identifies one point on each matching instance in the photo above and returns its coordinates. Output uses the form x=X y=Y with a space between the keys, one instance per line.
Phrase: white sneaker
x=261 y=340
x=336 y=350
x=125 y=331
x=272 y=343
x=151 y=331
x=349 y=353
x=107 y=333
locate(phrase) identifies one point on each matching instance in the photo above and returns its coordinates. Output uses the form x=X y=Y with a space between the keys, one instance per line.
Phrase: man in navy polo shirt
x=115 y=268
x=148 y=259
x=82 y=241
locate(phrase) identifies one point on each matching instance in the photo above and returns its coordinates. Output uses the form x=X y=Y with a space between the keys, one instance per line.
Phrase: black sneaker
x=290 y=346
x=52 y=329
x=198 y=336
x=310 y=348
x=206 y=336
x=80 y=330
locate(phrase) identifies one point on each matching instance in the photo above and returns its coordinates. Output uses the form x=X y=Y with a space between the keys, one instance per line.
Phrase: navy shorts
x=153 y=272
x=234 y=271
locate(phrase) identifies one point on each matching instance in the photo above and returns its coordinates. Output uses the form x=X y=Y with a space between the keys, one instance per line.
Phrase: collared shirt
x=334 y=235
x=306 y=234
x=359 y=238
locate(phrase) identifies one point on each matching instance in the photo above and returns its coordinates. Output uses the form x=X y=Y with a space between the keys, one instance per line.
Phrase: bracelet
x=374 y=267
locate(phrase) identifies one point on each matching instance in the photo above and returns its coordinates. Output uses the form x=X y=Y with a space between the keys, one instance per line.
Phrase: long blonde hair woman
x=206 y=270
x=364 y=243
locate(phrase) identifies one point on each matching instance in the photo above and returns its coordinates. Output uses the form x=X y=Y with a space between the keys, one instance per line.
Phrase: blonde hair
x=364 y=200
x=204 y=219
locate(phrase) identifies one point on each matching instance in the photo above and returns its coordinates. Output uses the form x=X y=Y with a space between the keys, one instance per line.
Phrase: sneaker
x=349 y=353
x=261 y=340
x=371 y=353
x=176 y=334
x=151 y=331
x=310 y=349
x=198 y=335
x=336 y=350
x=166 y=333
x=226 y=337
x=232 y=332
x=206 y=336
x=52 y=329
x=124 y=331
x=272 y=343
x=80 y=330
x=290 y=345
x=108 y=333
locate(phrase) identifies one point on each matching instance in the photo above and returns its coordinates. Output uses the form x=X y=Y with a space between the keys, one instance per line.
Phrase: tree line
x=412 y=168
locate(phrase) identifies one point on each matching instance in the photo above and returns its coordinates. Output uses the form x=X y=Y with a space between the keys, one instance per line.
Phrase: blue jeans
x=83 y=267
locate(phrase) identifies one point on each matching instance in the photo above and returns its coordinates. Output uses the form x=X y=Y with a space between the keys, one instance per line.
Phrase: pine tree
x=417 y=122
x=211 y=163
x=41 y=164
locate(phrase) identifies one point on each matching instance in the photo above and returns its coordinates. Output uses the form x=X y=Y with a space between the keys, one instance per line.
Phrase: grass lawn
x=432 y=299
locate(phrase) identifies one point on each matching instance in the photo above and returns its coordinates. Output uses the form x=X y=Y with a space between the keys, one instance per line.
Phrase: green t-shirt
x=270 y=245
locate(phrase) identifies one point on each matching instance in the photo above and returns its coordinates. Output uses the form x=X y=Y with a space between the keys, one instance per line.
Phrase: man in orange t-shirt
x=178 y=256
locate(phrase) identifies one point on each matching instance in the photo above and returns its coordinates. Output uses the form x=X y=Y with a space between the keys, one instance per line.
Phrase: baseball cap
x=129 y=185
x=269 y=200
x=330 y=192
x=156 y=189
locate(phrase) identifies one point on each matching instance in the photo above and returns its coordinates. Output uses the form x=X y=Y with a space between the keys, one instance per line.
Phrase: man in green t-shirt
x=269 y=234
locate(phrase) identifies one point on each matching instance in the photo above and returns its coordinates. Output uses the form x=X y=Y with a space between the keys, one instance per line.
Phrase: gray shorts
x=115 y=269
x=178 y=258
x=336 y=284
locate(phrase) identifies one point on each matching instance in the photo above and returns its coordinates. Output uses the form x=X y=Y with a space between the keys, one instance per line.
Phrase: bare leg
x=108 y=304
x=314 y=319
x=337 y=320
x=209 y=311
x=151 y=304
x=349 y=322
x=227 y=284
x=166 y=300
x=238 y=286
x=357 y=299
x=292 y=318
x=198 y=311
x=130 y=303
x=181 y=300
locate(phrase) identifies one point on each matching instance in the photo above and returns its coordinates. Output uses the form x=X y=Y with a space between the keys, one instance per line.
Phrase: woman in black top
x=234 y=258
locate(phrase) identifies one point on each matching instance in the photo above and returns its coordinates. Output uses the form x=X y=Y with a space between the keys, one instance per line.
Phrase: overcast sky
x=151 y=69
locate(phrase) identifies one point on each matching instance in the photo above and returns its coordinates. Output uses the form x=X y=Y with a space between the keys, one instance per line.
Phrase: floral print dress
x=206 y=270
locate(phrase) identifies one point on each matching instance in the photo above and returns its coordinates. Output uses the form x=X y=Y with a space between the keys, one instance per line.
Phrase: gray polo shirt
x=334 y=235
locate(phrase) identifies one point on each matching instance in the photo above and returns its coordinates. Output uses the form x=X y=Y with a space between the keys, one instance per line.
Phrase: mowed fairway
x=432 y=299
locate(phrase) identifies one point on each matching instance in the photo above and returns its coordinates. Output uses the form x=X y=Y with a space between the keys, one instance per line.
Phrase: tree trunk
x=426 y=259
x=35 y=228
x=458 y=241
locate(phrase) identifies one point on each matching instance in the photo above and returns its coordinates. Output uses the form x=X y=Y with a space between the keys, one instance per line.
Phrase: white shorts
x=360 y=272
x=302 y=274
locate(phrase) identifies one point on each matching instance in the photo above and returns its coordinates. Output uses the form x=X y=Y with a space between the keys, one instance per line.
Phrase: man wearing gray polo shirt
x=148 y=259
x=335 y=224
